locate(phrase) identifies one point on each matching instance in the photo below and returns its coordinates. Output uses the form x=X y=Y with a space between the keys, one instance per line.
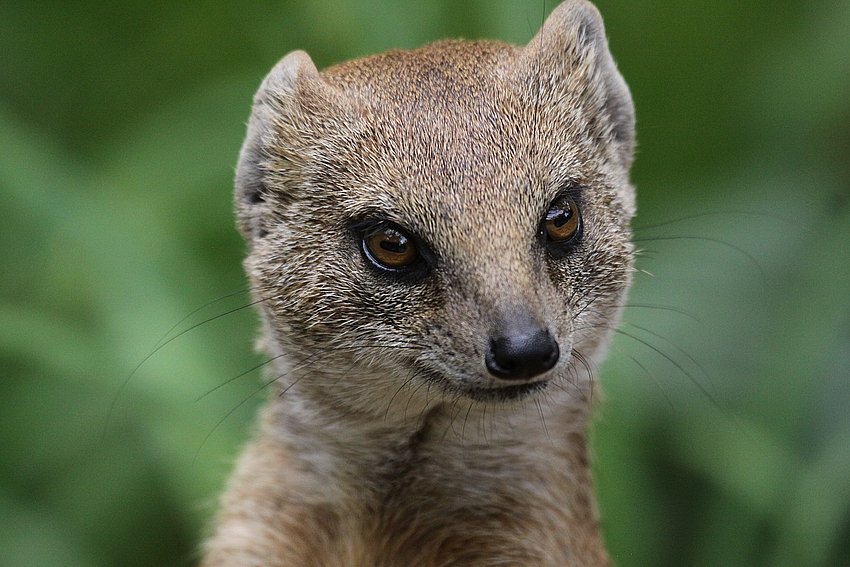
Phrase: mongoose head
x=449 y=224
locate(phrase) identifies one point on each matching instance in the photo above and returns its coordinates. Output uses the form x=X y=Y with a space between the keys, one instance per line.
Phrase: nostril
x=522 y=356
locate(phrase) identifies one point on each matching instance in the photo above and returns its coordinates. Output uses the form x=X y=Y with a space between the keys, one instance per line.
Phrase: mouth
x=512 y=393
x=493 y=393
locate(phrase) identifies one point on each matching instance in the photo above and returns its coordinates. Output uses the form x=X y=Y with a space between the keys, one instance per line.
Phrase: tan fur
x=385 y=442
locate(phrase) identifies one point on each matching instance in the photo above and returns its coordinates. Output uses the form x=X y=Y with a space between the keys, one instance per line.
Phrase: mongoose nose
x=522 y=354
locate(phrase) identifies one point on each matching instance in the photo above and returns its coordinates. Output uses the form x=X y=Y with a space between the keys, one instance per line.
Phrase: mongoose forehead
x=433 y=233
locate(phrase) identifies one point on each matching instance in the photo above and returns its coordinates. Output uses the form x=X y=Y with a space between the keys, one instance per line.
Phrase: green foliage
x=724 y=434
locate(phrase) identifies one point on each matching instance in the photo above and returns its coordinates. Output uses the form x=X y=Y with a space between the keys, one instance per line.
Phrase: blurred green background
x=724 y=435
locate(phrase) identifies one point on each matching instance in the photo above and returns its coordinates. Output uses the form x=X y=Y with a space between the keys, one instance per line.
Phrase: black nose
x=521 y=354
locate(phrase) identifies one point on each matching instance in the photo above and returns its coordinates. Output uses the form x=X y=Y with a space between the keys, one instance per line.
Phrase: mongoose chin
x=439 y=245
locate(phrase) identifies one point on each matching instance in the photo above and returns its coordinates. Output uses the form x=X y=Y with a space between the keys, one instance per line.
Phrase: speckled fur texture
x=386 y=442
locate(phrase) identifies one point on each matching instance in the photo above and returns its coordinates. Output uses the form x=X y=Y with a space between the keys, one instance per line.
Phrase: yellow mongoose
x=439 y=243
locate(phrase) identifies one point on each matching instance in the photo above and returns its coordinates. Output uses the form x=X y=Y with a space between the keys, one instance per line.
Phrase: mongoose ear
x=291 y=101
x=570 y=55
x=276 y=96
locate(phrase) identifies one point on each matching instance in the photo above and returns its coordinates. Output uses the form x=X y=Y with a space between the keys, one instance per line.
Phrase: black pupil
x=559 y=217
x=394 y=242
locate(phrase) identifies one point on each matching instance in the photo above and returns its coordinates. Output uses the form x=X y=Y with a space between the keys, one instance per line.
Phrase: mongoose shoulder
x=439 y=246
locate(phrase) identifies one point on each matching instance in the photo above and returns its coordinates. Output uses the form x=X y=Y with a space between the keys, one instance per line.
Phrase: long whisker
x=229 y=413
x=678 y=348
x=714 y=214
x=675 y=363
x=719 y=241
x=237 y=377
x=662 y=308
x=648 y=373
x=162 y=342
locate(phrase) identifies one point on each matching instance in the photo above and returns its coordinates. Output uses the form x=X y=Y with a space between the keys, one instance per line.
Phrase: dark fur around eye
x=392 y=251
x=561 y=228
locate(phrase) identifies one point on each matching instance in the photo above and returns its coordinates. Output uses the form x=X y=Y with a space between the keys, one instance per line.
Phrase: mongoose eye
x=390 y=248
x=563 y=220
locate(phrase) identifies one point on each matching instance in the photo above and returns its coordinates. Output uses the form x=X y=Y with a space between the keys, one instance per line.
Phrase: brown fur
x=385 y=443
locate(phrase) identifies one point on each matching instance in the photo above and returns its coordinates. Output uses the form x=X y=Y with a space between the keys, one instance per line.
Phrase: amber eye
x=390 y=248
x=562 y=221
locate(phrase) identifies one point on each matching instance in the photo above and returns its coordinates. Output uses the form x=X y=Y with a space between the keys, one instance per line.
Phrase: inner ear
x=253 y=194
x=252 y=205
